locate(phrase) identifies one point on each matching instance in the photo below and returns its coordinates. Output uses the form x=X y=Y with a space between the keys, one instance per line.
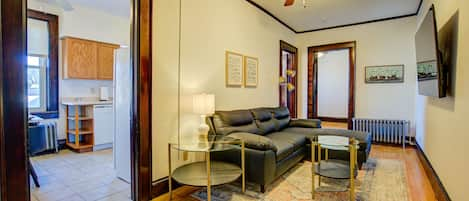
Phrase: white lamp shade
x=204 y=104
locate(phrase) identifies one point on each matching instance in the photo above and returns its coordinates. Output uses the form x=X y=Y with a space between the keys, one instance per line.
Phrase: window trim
x=52 y=70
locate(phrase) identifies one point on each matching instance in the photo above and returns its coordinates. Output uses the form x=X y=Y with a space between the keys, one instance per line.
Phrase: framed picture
x=384 y=74
x=234 y=69
x=251 y=71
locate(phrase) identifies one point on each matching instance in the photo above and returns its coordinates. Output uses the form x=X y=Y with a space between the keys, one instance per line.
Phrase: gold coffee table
x=208 y=172
x=332 y=168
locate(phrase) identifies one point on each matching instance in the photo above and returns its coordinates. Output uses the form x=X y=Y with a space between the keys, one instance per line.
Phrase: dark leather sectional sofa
x=275 y=142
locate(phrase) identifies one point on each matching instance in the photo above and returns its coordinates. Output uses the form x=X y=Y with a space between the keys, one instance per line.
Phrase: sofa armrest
x=305 y=123
x=254 y=141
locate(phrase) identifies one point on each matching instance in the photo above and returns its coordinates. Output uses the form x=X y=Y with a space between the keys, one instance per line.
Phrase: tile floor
x=69 y=176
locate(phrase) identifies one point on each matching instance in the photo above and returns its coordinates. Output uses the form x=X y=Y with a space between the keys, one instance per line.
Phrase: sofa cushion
x=264 y=120
x=286 y=143
x=282 y=117
x=305 y=123
x=296 y=140
x=363 y=137
x=226 y=122
x=253 y=141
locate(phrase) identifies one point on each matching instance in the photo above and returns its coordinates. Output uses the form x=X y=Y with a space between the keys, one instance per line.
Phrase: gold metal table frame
x=208 y=163
x=352 y=149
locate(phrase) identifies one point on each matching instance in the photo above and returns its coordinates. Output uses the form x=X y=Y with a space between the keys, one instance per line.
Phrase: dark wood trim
x=141 y=100
x=332 y=27
x=160 y=187
x=284 y=46
x=271 y=15
x=13 y=127
x=358 y=23
x=334 y=119
x=52 y=85
x=313 y=76
x=438 y=187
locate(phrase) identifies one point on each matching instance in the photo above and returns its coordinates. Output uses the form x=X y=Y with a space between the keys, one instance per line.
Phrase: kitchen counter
x=84 y=101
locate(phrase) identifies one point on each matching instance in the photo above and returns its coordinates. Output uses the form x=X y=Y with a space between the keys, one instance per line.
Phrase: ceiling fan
x=64 y=4
x=291 y=2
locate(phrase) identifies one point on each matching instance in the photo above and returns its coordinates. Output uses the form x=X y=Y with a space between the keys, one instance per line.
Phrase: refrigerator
x=122 y=107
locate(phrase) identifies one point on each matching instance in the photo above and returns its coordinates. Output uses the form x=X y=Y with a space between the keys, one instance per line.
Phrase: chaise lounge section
x=275 y=142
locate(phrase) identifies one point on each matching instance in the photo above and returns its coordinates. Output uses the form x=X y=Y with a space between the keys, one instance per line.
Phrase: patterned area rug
x=380 y=180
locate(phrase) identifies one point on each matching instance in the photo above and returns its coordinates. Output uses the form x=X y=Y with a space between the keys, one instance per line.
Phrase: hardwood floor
x=337 y=125
x=419 y=187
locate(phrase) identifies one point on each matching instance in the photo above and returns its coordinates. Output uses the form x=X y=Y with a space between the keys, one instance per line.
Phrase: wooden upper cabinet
x=105 y=62
x=86 y=59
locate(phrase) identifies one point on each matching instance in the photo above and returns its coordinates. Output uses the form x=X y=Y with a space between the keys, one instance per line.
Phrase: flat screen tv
x=430 y=72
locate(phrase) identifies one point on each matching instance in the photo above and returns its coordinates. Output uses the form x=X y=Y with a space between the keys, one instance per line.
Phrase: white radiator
x=385 y=131
x=51 y=135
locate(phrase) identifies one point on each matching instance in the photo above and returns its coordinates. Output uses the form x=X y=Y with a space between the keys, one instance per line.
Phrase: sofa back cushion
x=226 y=122
x=281 y=116
x=264 y=120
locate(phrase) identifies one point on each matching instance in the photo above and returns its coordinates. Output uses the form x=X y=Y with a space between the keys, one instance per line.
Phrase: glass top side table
x=207 y=173
x=331 y=168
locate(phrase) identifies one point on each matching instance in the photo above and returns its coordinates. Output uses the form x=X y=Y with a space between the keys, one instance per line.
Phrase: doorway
x=14 y=174
x=288 y=79
x=331 y=83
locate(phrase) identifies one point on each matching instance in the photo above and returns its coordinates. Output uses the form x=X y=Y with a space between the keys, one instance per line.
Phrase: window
x=42 y=64
x=37 y=83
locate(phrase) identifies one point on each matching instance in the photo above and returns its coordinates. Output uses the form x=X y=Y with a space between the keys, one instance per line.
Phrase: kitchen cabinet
x=86 y=59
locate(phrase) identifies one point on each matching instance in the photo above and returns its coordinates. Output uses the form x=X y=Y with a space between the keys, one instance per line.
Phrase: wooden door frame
x=313 y=85
x=14 y=176
x=284 y=46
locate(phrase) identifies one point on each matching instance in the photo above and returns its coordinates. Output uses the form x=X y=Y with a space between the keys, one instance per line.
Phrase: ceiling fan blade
x=289 y=2
x=65 y=4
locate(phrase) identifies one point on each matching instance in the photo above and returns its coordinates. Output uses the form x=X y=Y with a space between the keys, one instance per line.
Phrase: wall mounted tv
x=430 y=73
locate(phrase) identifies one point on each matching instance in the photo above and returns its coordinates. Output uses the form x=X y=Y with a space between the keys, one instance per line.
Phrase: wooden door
x=80 y=59
x=105 y=62
x=287 y=90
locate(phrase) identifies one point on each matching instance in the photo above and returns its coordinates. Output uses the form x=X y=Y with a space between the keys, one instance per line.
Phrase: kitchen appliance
x=122 y=108
x=103 y=116
x=104 y=94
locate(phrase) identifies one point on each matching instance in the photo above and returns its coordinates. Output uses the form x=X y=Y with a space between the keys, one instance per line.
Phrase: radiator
x=384 y=131
x=51 y=135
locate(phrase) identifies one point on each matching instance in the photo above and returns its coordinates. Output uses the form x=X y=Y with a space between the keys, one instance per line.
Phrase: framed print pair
x=241 y=70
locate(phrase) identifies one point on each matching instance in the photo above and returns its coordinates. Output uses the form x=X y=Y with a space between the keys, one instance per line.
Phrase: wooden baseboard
x=440 y=191
x=160 y=187
x=334 y=119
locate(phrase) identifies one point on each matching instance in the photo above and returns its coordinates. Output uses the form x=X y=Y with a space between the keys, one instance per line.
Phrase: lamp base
x=203 y=129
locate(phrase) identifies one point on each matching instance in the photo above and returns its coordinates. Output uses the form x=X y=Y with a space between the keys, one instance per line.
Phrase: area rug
x=379 y=180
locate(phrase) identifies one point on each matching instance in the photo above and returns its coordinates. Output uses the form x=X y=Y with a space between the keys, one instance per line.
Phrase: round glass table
x=207 y=172
x=333 y=168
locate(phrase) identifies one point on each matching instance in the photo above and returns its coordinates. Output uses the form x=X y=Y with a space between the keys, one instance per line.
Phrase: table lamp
x=203 y=104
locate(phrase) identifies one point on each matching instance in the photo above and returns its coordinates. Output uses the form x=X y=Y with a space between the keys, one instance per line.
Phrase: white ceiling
x=321 y=14
x=114 y=7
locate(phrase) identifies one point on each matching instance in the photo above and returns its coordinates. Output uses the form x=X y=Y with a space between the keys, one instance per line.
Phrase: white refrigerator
x=122 y=107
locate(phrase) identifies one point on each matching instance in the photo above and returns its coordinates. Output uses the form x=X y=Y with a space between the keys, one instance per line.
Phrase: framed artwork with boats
x=384 y=74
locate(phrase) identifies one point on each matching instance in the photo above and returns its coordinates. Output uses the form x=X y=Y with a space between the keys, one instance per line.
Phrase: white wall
x=210 y=27
x=333 y=83
x=380 y=43
x=87 y=23
x=442 y=123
